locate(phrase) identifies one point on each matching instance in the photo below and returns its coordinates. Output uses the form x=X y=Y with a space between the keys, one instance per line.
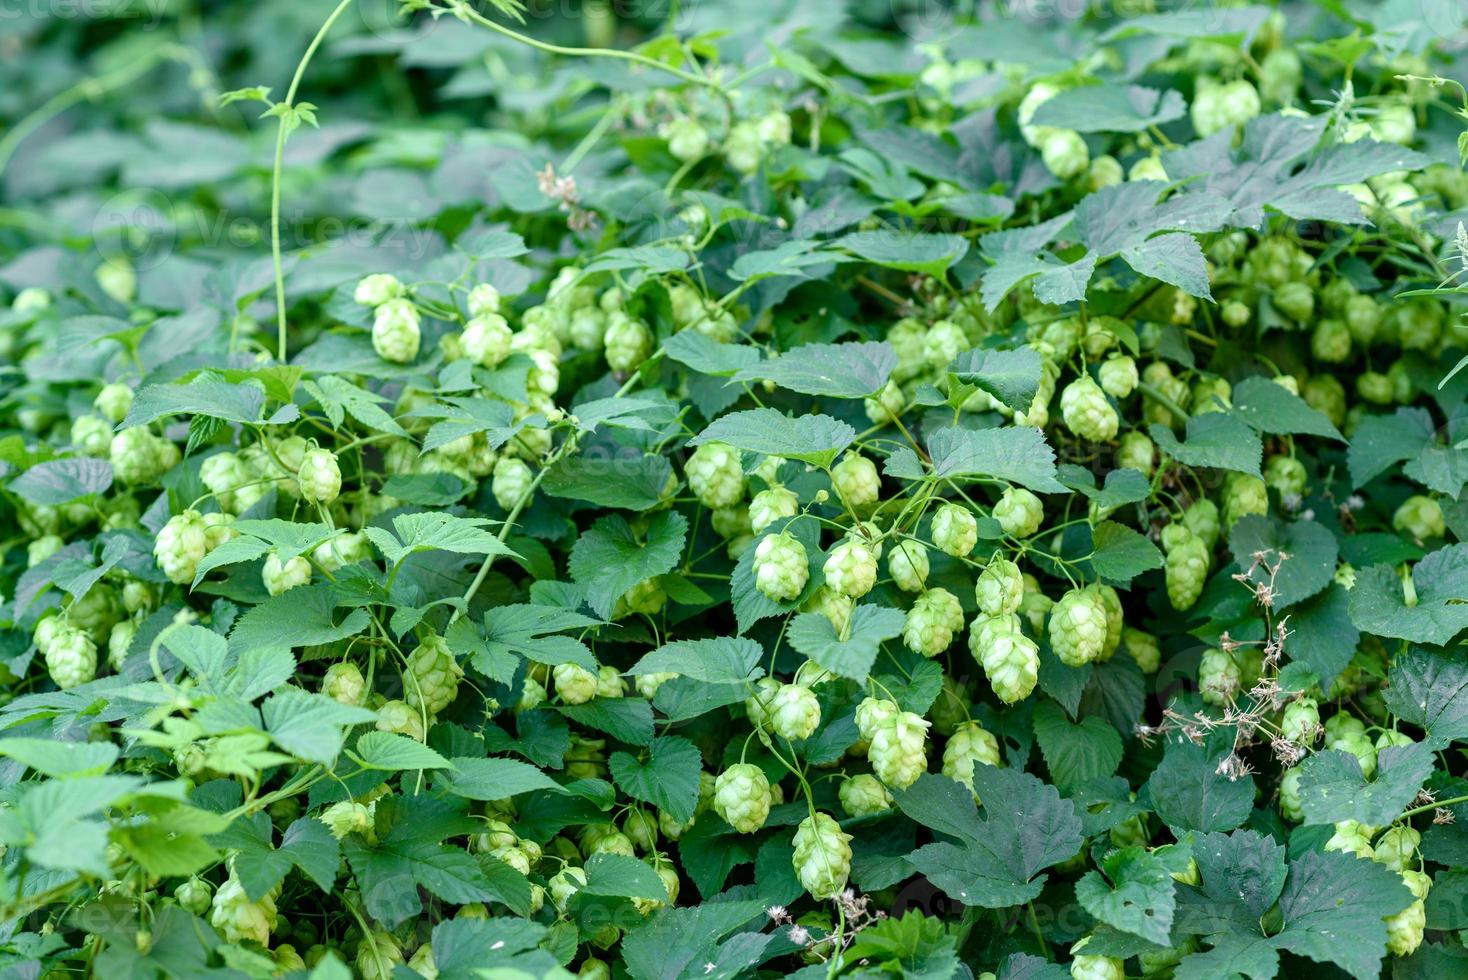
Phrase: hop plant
x=574 y=683
x=850 y=569
x=932 y=622
x=396 y=331
x=1405 y=929
x=71 y=658
x=1221 y=105
x=863 y=795
x=1420 y=517
x=742 y=797
x=401 y=718
x=114 y=401
x=239 y=919
x=1118 y=376
x=344 y=683
x=487 y=339
x=907 y=562
x=955 y=530
x=279 y=576
x=511 y=482
x=1396 y=847
x=970 y=743
x=856 y=481
x=999 y=588
x=1085 y=966
x=1290 y=806
x=1220 y=677
x=822 y=856
x=377 y=289
x=138 y=456
x=431 y=678
x=1010 y=659
x=1185 y=569
x=781 y=568
x=771 y=505
x=1086 y=412
x=1019 y=512
x=627 y=342
x=181 y=544
x=319 y=478
x=872 y=714
x=898 y=752
x=194 y=894
x=1300 y=722
x=1243 y=495
x=715 y=475
x=1078 y=626
x=794 y=713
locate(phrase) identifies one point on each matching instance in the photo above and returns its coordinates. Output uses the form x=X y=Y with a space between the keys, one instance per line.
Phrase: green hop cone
x=1136 y=451
x=237 y=918
x=1405 y=929
x=771 y=505
x=378 y=288
x=319 y=478
x=1300 y=722
x=898 y=752
x=742 y=797
x=863 y=795
x=401 y=718
x=512 y=480
x=194 y=894
x=1118 y=375
x=781 y=567
x=1010 y=659
x=279 y=576
x=1219 y=106
x=71 y=658
x=794 y=713
x=932 y=622
x=627 y=342
x=1086 y=412
x=907 y=563
x=851 y=569
x=1186 y=569
x=872 y=714
x=1201 y=517
x=138 y=456
x=344 y=683
x=181 y=544
x=886 y=405
x=120 y=641
x=1019 y=512
x=757 y=705
x=970 y=743
x=1078 y=626
x=574 y=683
x=1220 y=678
x=856 y=480
x=431 y=680
x=114 y=401
x=837 y=608
x=1243 y=495
x=396 y=331
x=1420 y=517
x=822 y=858
x=715 y=475
x=955 y=530
x=1360 y=745
x=1000 y=587
x=91 y=435
x=483 y=300
x=487 y=339
x=1397 y=847
x=1351 y=837
x=1286 y=475
x=1289 y=796
x=1084 y=966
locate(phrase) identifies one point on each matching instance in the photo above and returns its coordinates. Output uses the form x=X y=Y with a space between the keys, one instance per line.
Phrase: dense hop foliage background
x=827 y=488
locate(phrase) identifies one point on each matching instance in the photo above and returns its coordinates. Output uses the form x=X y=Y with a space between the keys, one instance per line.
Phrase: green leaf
x=609 y=558
x=1429 y=688
x=1075 y=751
x=1333 y=905
x=60 y=759
x=997 y=859
x=620 y=876
x=1110 y=109
x=1214 y=439
x=625 y=719
x=392 y=752
x=720 y=660
x=1381 y=441
x=61 y=481
x=932 y=254
x=667 y=778
x=515 y=631
x=631 y=482
x=708 y=356
x=790 y=258
x=1273 y=408
x=299 y=617
x=311 y=726
x=1378 y=604
x=1332 y=788
x=813 y=439
x=853 y=655
x=1189 y=793
x=1137 y=894
x=494 y=779
x=339 y=398
x=1014 y=454
x=240 y=403
x=1240 y=876
x=678 y=942
x=1011 y=376
x=426 y=489
x=1322 y=636
x=1121 y=554
x=852 y=370
x=1311 y=551
x=1125 y=486
x=436 y=531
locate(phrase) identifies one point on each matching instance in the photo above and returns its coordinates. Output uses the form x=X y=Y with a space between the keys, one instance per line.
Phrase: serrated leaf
x=436 y=531
x=299 y=617
x=814 y=439
x=311 y=726
x=494 y=779
x=1120 y=554
x=60 y=481
x=1075 y=751
x=853 y=654
x=241 y=403
x=1110 y=109
x=1429 y=688
x=852 y=370
x=1014 y=454
x=1273 y=408
x=621 y=876
x=609 y=558
x=1011 y=376
x=1136 y=895
x=1333 y=905
x=1381 y=441
x=1333 y=789
x=1214 y=439
x=392 y=752
x=931 y=254
x=1189 y=793
x=667 y=778
x=1378 y=604
x=720 y=660
x=635 y=482
x=1311 y=551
